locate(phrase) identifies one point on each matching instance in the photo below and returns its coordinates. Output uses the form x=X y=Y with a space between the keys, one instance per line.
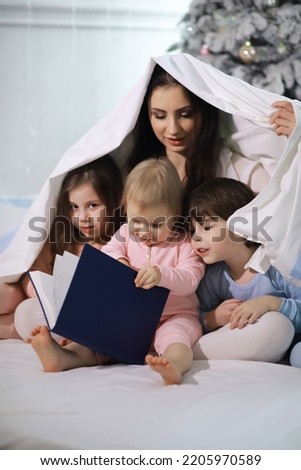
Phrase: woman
x=176 y=122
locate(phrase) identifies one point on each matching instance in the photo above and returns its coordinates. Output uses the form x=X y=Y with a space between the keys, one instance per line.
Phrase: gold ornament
x=282 y=48
x=247 y=53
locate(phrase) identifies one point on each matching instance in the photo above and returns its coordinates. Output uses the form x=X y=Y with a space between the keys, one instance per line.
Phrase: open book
x=93 y=300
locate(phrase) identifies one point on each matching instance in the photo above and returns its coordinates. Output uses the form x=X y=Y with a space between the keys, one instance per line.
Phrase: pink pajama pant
x=181 y=328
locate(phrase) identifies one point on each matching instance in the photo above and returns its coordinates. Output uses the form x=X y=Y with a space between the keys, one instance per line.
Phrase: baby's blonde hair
x=154 y=182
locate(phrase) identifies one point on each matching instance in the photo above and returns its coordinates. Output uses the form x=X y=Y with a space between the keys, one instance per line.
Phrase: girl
x=153 y=244
x=88 y=211
x=232 y=296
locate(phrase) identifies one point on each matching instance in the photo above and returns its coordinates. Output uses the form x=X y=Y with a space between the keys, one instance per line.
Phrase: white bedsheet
x=220 y=405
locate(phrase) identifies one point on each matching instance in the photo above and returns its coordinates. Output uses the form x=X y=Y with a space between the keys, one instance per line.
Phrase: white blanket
x=246 y=131
x=219 y=405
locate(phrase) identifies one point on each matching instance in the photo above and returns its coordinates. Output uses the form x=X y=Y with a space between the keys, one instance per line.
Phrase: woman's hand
x=283 y=119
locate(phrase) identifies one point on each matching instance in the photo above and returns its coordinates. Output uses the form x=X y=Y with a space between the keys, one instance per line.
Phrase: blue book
x=93 y=300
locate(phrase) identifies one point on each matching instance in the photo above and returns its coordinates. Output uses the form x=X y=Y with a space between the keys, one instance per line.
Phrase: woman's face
x=174 y=121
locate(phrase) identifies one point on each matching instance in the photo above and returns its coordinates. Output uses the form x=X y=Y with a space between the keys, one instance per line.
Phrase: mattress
x=220 y=405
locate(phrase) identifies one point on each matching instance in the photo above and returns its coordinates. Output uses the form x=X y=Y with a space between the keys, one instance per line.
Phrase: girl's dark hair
x=105 y=177
x=201 y=164
x=219 y=197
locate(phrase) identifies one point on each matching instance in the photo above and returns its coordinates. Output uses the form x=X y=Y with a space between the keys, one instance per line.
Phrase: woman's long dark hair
x=201 y=164
x=105 y=177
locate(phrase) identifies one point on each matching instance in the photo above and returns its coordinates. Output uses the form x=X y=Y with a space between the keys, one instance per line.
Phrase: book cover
x=103 y=309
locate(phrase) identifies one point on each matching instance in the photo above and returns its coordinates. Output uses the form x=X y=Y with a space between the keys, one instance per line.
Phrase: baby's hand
x=283 y=119
x=148 y=277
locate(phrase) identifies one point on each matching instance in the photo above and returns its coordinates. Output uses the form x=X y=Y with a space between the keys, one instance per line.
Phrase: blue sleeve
x=208 y=293
x=291 y=301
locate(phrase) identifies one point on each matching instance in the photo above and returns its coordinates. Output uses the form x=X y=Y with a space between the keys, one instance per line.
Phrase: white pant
x=29 y=315
x=266 y=340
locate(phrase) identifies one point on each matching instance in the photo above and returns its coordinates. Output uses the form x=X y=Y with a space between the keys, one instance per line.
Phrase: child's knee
x=295 y=356
x=28 y=315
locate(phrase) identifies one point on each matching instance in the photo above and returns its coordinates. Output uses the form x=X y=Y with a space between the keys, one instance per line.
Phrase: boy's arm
x=289 y=303
x=214 y=309
x=219 y=316
x=250 y=310
x=291 y=300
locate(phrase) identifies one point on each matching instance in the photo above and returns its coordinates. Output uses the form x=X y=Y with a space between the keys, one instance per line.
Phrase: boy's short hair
x=219 y=197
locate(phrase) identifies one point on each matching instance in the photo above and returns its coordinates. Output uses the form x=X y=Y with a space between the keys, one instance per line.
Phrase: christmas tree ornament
x=282 y=49
x=247 y=53
x=204 y=50
x=190 y=29
x=187 y=30
x=272 y=3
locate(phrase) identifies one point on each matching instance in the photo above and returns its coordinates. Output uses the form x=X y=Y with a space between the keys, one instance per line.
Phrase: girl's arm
x=44 y=263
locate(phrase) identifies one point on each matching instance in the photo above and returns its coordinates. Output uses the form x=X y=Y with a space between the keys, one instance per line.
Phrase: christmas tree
x=258 y=41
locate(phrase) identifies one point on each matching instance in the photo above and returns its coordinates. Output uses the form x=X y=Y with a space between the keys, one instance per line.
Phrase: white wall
x=64 y=64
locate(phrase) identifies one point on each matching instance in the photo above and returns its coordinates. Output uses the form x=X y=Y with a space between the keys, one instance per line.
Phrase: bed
x=220 y=405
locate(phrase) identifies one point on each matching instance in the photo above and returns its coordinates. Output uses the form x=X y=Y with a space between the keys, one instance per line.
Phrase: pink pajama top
x=181 y=269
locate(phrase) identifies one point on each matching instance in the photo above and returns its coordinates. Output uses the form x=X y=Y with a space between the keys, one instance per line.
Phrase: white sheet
x=220 y=405
x=249 y=133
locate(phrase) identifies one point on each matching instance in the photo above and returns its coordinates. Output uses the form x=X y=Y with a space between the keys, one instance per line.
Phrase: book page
x=52 y=289
x=63 y=270
x=43 y=284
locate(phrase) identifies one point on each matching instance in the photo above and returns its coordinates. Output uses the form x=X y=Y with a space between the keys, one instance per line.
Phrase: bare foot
x=169 y=372
x=48 y=350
